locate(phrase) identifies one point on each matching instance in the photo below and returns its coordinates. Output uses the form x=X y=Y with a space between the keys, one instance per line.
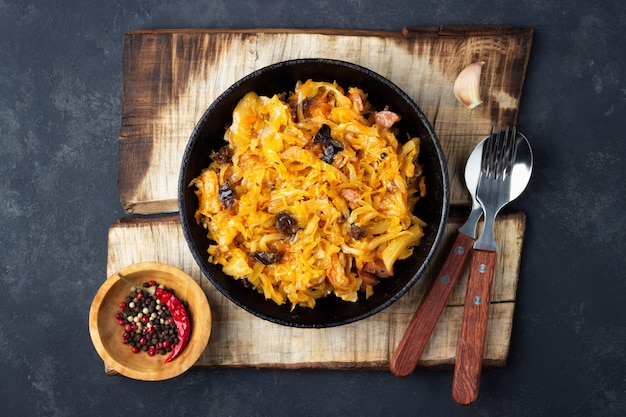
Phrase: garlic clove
x=467 y=85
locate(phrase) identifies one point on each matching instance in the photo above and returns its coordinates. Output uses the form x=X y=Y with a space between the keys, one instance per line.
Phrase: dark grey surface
x=60 y=83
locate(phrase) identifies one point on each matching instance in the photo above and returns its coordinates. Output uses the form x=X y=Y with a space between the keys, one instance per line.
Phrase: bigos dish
x=312 y=195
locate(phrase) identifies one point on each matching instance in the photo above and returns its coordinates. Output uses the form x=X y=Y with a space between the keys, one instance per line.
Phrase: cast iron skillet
x=282 y=77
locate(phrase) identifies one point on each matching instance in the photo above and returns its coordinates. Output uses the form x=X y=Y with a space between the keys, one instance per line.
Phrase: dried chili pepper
x=181 y=320
x=179 y=315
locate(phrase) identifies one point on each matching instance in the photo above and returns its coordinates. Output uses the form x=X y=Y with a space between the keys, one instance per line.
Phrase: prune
x=286 y=224
x=224 y=156
x=267 y=258
x=356 y=232
x=323 y=135
x=331 y=146
x=227 y=196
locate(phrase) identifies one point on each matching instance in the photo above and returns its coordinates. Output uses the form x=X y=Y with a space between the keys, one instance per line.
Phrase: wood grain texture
x=474 y=324
x=239 y=339
x=170 y=77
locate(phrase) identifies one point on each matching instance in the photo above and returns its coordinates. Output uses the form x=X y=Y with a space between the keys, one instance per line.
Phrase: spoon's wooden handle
x=420 y=328
x=469 y=355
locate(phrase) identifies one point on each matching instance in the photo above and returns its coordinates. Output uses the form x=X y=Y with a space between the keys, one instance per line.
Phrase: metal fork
x=493 y=193
x=494 y=184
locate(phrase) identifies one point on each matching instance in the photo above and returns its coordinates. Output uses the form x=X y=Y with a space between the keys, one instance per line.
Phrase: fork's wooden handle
x=422 y=324
x=469 y=355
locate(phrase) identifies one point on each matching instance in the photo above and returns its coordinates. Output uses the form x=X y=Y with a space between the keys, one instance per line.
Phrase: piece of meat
x=357 y=101
x=367 y=279
x=386 y=118
x=351 y=195
x=316 y=107
x=377 y=268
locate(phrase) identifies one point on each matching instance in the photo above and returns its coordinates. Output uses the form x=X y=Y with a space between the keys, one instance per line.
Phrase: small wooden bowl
x=106 y=333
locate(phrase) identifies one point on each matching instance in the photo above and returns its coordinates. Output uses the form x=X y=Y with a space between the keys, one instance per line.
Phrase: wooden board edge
x=439 y=365
x=276 y=30
x=141 y=221
x=442 y=30
x=434 y=365
x=466 y=30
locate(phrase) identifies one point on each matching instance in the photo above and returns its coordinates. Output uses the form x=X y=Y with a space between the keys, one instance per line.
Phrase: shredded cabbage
x=350 y=195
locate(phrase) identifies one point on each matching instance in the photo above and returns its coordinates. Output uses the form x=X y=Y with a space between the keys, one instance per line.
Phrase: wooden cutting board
x=240 y=339
x=169 y=79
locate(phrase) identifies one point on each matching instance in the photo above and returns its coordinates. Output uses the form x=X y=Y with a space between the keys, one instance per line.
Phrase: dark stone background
x=60 y=88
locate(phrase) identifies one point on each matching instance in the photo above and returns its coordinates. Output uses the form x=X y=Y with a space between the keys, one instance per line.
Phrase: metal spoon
x=424 y=320
x=505 y=171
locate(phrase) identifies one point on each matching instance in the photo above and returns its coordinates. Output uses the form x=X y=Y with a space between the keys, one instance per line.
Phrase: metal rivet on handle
x=478 y=300
x=459 y=250
x=482 y=268
x=445 y=279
